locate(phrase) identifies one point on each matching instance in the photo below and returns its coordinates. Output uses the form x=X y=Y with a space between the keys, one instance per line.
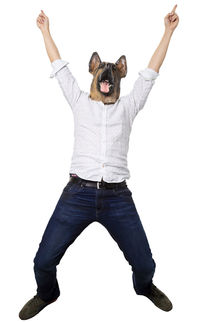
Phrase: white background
x=36 y=148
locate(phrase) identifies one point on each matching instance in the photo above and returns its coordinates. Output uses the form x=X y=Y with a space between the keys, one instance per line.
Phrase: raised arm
x=144 y=83
x=60 y=70
x=43 y=24
x=171 y=21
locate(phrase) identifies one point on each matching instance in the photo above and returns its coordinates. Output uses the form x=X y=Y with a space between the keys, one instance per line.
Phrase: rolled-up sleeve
x=148 y=74
x=136 y=99
x=66 y=80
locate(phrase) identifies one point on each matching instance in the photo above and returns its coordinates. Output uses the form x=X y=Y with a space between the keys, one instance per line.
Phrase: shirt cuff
x=57 y=65
x=149 y=74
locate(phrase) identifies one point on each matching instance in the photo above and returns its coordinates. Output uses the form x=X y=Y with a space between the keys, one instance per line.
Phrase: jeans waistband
x=97 y=184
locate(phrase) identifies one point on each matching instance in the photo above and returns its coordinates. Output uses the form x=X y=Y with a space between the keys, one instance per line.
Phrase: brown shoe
x=159 y=299
x=33 y=307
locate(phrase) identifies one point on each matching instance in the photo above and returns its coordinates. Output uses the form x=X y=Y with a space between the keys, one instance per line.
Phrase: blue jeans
x=79 y=206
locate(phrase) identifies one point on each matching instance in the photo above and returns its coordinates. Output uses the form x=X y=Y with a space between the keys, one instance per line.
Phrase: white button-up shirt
x=102 y=131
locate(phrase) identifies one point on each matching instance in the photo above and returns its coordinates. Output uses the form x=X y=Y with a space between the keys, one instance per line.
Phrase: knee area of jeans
x=41 y=264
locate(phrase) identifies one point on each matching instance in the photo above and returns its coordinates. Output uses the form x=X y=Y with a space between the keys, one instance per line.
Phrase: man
x=97 y=189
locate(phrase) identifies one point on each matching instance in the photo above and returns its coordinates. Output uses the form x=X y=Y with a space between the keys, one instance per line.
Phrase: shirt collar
x=101 y=103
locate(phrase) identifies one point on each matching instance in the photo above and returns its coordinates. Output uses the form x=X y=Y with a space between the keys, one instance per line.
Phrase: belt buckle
x=100 y=184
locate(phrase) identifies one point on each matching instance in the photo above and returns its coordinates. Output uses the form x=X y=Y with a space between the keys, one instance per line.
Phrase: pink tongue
x=104 y=86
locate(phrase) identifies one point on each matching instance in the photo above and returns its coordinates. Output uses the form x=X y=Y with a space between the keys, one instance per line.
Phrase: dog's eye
x=113 y=67
x=101 y=65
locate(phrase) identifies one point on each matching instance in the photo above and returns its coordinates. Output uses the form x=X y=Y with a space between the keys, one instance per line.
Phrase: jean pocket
x=72 y=188
x=124 y=193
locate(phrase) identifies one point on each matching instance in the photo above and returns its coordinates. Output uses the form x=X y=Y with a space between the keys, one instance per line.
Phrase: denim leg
x=120 y=217
x=66 y=223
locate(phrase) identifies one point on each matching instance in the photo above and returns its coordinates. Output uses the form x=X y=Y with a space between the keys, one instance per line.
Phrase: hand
x=43 y=22
x=171 y=20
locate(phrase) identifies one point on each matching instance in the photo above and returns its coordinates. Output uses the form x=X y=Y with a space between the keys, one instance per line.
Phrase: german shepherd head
x=105 y=85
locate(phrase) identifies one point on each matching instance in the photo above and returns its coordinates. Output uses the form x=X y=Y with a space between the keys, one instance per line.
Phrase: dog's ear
x=122 y=66
x=94 y=62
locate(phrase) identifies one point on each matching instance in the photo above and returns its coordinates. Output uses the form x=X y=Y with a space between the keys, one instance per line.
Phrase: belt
x=98 y=184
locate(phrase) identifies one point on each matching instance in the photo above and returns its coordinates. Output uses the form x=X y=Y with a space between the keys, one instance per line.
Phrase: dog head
x=105 y=85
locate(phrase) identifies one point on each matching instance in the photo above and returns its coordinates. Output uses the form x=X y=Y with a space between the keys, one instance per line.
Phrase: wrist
x=168 y=32
x=45 y=32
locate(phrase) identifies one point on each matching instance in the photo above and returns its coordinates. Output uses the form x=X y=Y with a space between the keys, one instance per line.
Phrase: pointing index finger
x=173 y=10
